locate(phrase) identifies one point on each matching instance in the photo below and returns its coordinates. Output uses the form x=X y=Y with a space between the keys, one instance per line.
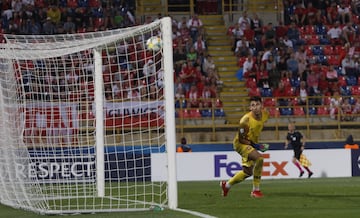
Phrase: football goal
x=80 y=116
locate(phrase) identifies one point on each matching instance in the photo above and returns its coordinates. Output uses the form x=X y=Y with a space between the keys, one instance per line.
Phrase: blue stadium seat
x=83 y=3
x=312 y=111
x=351 y=80
x=206 y=113
x=345 y=91
x=219 y=112
x=320 y=29
x=295 y=82
x=177 y=104
x=324 y=40
x=266 y=92
x=321 y=59
x=286 y=111
x=318 y=50
x=352 y=100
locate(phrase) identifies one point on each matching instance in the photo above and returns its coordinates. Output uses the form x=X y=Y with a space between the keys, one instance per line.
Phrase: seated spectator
x=256 y=25
x=282 y=94
x=236 y=34
x=302 y=93
x=207 y=96
x=344 y=13
x=334 y=34
x=346 y=110
x=332 y=13
x=350 y=144
x=208 y=64
x=69 y=26
x=335 y=102
x=184 y=147
x=356 y=107
x=200 y=46
x=293 y=34
x=287 y=42
x=312 y=14
x=300 y=14
x=242 y=48
x=348 y=66
x=249 y=35
x=192 y=55
x=293 y=65
x=349 y=33
x=262 y=76
x=54 y=13
x=248 y=66
x=244 y=20
x=301 y=57
x=331 y=75
x=269 y=36
x=195 y=25
x=313 y=83
x=193 y=97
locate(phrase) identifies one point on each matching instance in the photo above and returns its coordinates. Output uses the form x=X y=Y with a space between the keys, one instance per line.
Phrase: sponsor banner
x=50 y=115
x=355 y=160
x=134 y=114
x=197 y=166
x=53 y=168
x=130 y=108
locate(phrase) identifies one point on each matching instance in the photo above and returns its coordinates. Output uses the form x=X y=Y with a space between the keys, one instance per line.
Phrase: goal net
x=80 y=117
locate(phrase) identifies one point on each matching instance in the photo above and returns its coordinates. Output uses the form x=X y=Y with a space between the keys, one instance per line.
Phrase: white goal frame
x=15 y=155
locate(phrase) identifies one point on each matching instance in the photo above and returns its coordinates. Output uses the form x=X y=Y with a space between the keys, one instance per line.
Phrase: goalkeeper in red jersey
x=246 y=144
x=297 y=141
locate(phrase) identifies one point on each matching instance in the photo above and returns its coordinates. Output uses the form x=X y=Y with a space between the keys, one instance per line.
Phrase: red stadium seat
x=254 y=91
x=328 y=50
x=251 y=83
x=270 y=102
x=342 y=81
x=333 y=60
x=309 y=30
x=72 y=3
x=327 y=100
x=312 y=40
x=355 y=90
x=195 y=113
x=323 y=110
x=274 y=111
x=299 y=111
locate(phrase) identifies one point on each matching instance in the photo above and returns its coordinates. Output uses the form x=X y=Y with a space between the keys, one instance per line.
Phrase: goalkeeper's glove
x=261 y=147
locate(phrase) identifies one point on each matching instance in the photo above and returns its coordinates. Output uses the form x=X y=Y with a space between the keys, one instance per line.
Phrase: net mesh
x=48 y=120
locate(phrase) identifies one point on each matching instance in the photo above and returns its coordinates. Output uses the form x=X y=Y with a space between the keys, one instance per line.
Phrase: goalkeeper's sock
x=237 y=178
x=257 y=173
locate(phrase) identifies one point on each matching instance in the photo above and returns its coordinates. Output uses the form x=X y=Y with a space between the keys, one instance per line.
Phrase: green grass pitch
x=316 y=197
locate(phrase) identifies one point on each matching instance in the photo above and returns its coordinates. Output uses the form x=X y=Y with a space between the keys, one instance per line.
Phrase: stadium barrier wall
x=208 y=166
x=194 y=166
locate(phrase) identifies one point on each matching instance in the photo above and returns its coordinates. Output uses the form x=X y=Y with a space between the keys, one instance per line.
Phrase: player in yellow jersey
x=246 y=143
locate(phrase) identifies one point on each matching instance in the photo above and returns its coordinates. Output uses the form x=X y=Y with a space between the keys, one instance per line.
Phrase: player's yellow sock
x=257 y=173
x=238 y=177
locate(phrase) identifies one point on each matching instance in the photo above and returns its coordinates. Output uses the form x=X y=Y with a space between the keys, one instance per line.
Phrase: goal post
x=80 y=117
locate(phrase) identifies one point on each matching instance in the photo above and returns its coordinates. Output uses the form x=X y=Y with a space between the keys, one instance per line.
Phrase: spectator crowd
x=309 y=58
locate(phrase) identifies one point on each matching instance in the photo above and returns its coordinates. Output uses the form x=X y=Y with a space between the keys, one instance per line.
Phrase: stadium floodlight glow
x=80 y=116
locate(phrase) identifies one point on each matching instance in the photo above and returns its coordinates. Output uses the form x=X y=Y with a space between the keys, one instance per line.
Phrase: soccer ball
x=154 y=43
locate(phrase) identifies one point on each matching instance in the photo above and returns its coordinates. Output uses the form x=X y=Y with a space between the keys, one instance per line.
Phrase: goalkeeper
x=246 y=144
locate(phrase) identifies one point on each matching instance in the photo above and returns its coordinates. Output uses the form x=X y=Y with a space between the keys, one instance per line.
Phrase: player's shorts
x=244 y=150
x=297 y=154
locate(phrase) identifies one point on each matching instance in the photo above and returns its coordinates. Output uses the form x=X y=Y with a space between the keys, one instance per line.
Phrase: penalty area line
x=195 y=213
